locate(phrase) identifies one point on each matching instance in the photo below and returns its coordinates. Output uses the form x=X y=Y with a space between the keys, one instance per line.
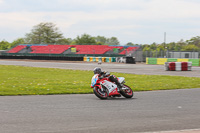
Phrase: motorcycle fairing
x=94 y=80
x=112 y=88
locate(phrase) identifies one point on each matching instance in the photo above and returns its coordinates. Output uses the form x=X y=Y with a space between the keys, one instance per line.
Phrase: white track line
x=179 y=131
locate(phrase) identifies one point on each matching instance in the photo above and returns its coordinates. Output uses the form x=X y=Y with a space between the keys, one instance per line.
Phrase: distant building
x=184 y=54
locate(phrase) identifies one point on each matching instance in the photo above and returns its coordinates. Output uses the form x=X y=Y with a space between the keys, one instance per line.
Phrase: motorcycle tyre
x=99 y=95
x=125 y=94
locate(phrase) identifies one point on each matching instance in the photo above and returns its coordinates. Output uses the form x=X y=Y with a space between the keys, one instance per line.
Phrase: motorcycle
x=103 y=88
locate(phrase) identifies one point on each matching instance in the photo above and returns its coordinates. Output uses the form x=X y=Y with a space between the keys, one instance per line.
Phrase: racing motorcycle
x=103 y=88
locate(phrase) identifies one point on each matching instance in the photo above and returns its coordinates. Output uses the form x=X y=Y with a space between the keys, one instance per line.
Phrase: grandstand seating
x=16 y=49
x=128 y=50
x=119 y=47
x=79 y=49
x=92 y=49
x=49 y=49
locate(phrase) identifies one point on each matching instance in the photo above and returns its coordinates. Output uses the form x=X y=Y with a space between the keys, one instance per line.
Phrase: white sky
x=137 y=21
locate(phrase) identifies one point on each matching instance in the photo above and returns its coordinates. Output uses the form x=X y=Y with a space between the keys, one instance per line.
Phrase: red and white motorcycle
x=103 y=88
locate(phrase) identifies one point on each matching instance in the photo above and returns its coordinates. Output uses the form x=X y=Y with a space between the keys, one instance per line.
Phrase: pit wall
x=161 y=61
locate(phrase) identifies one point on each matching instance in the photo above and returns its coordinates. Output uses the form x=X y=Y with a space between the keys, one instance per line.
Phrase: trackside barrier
x=130 y=60
x=43 y=57
x=100 y=59
x=161 y=61
x=97 y=59
x=94 y=59
x=182 y=60
x=86 y=59
x=103 y=59
x=151 y=61
x=195 y=62
x=91 y=58
x=113 y=59
x=178 y=66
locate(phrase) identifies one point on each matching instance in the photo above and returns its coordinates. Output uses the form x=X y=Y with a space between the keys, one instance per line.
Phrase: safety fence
x=161 y=61
x=172 y=54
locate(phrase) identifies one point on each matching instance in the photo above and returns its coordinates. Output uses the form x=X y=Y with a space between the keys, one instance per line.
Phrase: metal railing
x=172 y=54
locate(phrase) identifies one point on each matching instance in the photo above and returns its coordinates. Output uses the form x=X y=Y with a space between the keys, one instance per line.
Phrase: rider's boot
x=119 y=86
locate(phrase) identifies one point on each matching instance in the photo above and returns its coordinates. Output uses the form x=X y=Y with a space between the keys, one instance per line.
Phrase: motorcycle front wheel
x=127 y=93
x=100 y=94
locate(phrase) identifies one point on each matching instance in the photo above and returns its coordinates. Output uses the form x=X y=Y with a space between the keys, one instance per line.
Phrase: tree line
x=48 y=33
x=192 y=44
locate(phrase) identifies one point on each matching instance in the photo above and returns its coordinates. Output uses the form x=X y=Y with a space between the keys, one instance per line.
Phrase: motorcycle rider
x=103 y=74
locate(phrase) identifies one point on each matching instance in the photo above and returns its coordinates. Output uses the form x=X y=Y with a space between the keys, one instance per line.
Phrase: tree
x=130 y=44
x=101 y=40
x=112 y=41
x=18 y=41
x=181 y=43
x=153 y=46
x=190 y=47
x=44 y=33
x=64 y=41
x=4 y=45
x=171 y=46
x=85 y=39
x=195 y=41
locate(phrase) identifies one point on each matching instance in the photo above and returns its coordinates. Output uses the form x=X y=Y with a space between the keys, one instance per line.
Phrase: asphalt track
x=111 y=67
x=153 y=111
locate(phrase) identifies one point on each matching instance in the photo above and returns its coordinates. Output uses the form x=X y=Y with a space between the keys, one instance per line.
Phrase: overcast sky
x=137 y=21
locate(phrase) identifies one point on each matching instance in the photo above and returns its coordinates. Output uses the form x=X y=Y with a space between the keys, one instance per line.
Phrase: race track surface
x=111 y=67
x=152 y=111
x=146 y=112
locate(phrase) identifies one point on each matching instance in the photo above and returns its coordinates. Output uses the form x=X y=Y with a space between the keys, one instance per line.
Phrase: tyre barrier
x=129 y=60
x=99 y=59
x=178 y=66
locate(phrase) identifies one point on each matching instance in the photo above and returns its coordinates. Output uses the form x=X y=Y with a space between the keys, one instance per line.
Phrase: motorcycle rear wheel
x=127 y=93
x=100 y=94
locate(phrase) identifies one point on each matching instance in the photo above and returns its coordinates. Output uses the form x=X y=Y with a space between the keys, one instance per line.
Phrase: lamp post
x=164 y=44
x=167 y=52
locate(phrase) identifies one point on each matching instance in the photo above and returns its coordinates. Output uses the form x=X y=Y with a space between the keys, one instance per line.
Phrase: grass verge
x=19 y=80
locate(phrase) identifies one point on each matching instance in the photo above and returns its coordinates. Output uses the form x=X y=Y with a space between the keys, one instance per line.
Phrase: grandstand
x=17 y=49
x=72 y=50
x=49 y=49
x=128 y=50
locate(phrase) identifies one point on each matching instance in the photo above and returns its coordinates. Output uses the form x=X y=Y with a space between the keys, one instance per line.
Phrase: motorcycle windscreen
x=94 y=80
x=121 y=79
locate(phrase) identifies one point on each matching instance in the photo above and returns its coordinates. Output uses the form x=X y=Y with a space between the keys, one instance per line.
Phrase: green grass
x=18 y=80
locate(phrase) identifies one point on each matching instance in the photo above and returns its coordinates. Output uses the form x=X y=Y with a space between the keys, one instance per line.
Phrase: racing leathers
x=112 y=78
